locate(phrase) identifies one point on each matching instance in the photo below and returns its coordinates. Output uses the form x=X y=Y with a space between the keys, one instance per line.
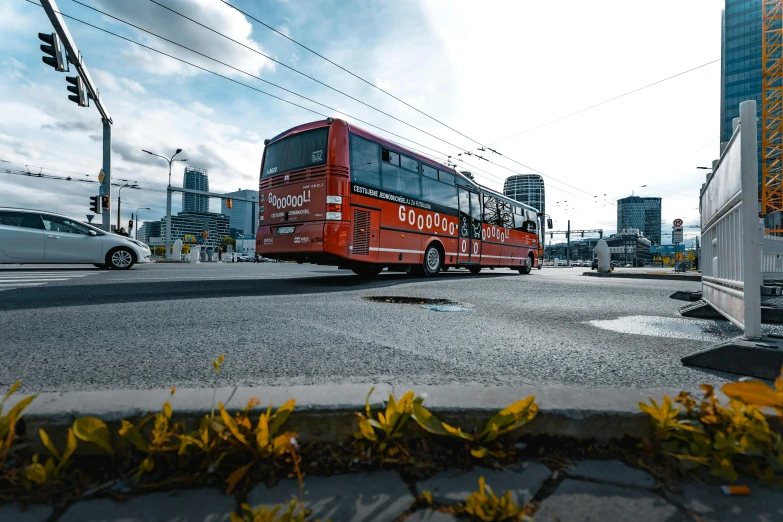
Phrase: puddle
x=447 y=308
x=437 y=305
x=674 y=327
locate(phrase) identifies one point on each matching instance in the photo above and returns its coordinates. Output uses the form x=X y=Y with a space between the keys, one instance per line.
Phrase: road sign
x=100 y=176
x=89 y=217
x=678 y=222
x=677 y=235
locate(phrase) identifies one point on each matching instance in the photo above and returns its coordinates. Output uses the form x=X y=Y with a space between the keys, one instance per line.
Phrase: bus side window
x=491 y=210
x=365 y=166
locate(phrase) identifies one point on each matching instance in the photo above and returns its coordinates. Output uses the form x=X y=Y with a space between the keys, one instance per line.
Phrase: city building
x=527 y=189
x=192 y=225
x=642 y=213
x=740 y=64
x=246 y=244
x=149 y=229
x=196 y=179
x=243 y=213
x=630 y=247
x=581 y=250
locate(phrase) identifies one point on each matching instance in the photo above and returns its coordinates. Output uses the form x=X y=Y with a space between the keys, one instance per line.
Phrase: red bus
x=331 y=193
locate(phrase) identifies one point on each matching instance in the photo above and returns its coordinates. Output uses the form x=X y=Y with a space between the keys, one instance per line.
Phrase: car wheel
x=433 y=260
x=367 y=270
x=525 y=270
x=120 y=258
x=474 y=269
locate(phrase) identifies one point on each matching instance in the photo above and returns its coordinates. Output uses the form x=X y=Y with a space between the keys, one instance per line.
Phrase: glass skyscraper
x=527 y=189
x=641 y=213
x=196 y=179
x=741 y=64
x=243 y=214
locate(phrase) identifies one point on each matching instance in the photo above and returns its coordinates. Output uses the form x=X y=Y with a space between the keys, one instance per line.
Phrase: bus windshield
x=306 y=149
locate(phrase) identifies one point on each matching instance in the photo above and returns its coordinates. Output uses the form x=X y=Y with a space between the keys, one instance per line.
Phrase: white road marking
x=23 y=279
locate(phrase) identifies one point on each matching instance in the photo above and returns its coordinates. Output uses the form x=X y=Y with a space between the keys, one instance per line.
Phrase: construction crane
x=772 y=108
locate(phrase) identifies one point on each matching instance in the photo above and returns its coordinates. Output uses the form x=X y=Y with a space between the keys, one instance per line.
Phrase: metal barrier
x=771 y=257
x=731 y=239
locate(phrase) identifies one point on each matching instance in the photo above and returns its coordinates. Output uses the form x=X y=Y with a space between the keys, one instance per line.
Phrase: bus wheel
x=433 y=260
x=474 y=269
x=366 y=269
x=444 y=269
x=528 y=267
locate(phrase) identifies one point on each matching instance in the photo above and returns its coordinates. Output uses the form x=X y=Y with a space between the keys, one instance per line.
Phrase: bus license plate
x=285 y=230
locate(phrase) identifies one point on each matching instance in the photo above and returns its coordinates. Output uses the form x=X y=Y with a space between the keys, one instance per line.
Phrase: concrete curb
x=326 y=413
x=663 y=276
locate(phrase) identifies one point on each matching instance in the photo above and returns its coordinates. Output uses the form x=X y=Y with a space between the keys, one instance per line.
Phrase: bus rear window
x=307 y=149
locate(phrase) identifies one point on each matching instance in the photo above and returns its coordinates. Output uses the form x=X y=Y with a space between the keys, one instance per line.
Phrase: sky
x=489 y=70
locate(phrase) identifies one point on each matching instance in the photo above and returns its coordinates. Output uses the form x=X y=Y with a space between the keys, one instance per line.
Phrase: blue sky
x=488 y=69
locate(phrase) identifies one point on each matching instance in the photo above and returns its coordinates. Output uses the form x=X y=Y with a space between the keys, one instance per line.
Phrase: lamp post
x=168 y=198
x=119 y=201
x=138 y=220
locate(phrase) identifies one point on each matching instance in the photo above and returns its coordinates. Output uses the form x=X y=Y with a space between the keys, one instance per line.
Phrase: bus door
x=469 y=248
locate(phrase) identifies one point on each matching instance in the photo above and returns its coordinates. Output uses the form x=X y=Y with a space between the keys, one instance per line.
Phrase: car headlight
x=137 y=243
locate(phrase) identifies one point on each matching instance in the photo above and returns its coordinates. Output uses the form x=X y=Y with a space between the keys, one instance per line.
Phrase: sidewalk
x=592 y=490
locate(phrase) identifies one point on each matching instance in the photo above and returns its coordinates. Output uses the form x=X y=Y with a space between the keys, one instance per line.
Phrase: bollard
x=604 y=257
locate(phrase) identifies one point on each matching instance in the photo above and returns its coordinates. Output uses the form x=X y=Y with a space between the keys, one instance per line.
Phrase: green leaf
x=35 y=473
x=280 y=416
x=428 y=421
x=367 y=402
x=69 y=449
x=8 y=394
x=48 y=443
x=231 y=424
x=167 y=409
x=479 y=452
x=92 y=429
x=366 y=430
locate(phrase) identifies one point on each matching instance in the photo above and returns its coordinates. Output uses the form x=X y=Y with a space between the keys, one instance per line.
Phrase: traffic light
x=95 y=206
x=54 y=49
x=229 y=203
x=77 y=88
x=105 y=202
x=130 y=225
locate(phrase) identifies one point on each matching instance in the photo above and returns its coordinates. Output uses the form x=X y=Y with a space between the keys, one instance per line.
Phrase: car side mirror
x=92 y=232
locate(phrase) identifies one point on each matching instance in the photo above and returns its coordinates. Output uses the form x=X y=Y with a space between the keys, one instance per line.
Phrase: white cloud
x=16 y=64
x=214 y=15
x=116 y=83
x=201 y=108
x=386 y=85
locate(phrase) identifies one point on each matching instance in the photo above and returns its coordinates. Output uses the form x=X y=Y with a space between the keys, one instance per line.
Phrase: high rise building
x=194 y=224
x=527 y=189
x=640 y=213
x=196 y=179
x=243 y=213
x=740 y=64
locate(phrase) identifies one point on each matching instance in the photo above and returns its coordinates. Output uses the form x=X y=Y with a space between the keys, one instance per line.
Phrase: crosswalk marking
x=11 y=280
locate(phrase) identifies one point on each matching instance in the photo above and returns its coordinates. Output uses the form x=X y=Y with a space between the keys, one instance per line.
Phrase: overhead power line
x=371 y=84
x=606 y=101
x=272 y=95
x=254 y=88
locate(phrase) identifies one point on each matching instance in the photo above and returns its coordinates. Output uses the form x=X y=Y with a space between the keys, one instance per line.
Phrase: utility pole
x=568 y=243
x=74 y=57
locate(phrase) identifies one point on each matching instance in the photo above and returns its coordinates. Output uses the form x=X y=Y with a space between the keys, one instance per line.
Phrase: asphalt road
x=160 y=325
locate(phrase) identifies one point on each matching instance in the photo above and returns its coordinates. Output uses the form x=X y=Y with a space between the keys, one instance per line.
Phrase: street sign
x=101 y=176
x=677 y=235
x=678 y=222
x=89 y=217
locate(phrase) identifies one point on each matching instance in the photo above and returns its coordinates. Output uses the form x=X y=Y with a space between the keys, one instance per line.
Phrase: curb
x=326 y=413
x=663 y=276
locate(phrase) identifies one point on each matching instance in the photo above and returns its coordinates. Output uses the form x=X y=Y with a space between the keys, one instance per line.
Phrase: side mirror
x=549 y=223
x=92 y=232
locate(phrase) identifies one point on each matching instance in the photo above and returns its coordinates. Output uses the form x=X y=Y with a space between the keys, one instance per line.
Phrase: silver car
x=32 y=236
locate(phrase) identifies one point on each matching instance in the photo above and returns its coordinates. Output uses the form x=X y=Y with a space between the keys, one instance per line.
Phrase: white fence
x=731 y=239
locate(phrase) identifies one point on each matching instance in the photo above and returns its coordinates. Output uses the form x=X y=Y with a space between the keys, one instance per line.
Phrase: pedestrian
x=123 y=232
x=220 y=253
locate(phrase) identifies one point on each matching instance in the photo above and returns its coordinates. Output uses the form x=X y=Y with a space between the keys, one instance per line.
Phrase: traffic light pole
x=106 y=216
x=74 y=57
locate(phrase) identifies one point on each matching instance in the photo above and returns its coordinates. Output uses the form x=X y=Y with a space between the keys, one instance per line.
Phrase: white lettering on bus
x=429 y=221
x=289 y=200
x=411 y=217
x=420 y=222
x=464 y=245
x=475 y=247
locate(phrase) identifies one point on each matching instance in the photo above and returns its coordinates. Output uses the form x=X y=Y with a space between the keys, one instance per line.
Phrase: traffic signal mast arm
x=598 y=231
x=73 y=55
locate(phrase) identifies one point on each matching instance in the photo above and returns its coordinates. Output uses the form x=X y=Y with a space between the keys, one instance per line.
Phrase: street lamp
x=138 y=220
x=119 y=201
x=168 y=198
